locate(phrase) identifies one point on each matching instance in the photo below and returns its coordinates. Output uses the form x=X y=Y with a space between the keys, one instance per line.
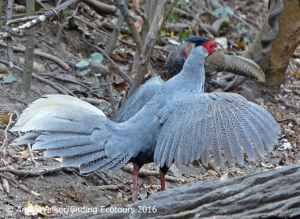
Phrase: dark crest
x=199 y=41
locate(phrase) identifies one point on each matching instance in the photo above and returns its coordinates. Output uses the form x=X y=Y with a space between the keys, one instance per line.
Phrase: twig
x=66 y=89
x=64 y=80
x=142 y=172
x=19 y=20
x=37 y=77
x=107 y=187
x=5 y=131
x=94 y=101
x=147 y=49
x=114 y=36
x=10 y=52
x=25 y=173
x=135 y=34
x=21 y=101
x=44 y=55
x=15 y=182
x=12 y=99
x=111 y=96
x=101 y=177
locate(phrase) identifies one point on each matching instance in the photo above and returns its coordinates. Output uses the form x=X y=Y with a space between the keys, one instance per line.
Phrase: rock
x=101 y=201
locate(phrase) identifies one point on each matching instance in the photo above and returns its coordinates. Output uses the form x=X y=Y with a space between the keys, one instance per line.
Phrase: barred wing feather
x=222 y=124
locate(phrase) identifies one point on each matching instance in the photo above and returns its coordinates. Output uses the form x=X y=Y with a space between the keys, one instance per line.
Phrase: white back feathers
x=50 y=105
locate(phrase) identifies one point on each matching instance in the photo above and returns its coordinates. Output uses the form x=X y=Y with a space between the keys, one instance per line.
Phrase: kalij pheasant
x=180 y=124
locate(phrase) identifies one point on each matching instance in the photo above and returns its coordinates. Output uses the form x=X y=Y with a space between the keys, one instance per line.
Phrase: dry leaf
x=117 y=56
x=224 y=176
x=240 y=44
x=297 y=74
x=138 y=25
x=132 y=74
x=120 y=86
x=5 y=117
x=23 y=154
x=71 y=192
x=52 y=200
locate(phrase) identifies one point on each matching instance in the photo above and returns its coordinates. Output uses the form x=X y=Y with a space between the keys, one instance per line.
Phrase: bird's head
x=210 y=46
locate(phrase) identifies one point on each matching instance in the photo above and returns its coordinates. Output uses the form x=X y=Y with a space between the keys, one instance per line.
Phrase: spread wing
x=221 y=124
x=138 y=99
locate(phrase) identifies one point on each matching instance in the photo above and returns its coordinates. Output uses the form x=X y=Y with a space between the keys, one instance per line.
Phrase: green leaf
x=180 y=35
x=247 y=39
x=178 y=6
x=103 y=106
x=9 y=79
x=170 y=17
x=176 y=18
x=186 y=34
x=82 y=64
x=224 y=9
x=239 y=29
x=84 y=72
x=95 y=58
x=225 y=24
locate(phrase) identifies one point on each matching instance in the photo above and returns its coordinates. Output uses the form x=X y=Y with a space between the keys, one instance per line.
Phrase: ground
x=66 y=187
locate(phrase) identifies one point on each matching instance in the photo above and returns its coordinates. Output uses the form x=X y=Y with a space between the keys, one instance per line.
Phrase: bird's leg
x=162 y=181
x=136 y=169
x=162 y=172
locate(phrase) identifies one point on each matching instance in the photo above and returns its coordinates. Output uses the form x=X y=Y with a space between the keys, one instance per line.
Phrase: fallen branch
x=266 y=194
x=64 y=80
x=34 y=75
x=40 y=19
x=42 y=54
x=25 y=173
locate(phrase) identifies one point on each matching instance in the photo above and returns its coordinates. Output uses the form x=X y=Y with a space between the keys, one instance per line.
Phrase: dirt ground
x=65 y=191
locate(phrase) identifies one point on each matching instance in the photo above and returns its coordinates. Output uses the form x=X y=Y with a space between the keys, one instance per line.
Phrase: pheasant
x=179 y=124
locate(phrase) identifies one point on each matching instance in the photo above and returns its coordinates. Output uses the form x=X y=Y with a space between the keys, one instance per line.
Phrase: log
x=267 y=194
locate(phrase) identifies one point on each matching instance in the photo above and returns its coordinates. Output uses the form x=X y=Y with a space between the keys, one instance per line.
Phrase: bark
x=148 y=46
x=150 y=7
x=29 y=54
x=101 y=7
x=1 y=5
x=10 y=52
x=112 y=41
x=267 y=194
x=40 y=19
x=282 y=48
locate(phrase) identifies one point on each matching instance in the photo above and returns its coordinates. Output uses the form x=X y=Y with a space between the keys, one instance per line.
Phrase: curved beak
x=218 y=48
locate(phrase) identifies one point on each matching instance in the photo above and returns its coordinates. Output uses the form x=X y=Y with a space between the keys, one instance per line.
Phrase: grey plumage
x=176 y=122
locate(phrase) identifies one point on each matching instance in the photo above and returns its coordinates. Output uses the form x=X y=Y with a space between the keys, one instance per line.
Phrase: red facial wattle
x=210 y=46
